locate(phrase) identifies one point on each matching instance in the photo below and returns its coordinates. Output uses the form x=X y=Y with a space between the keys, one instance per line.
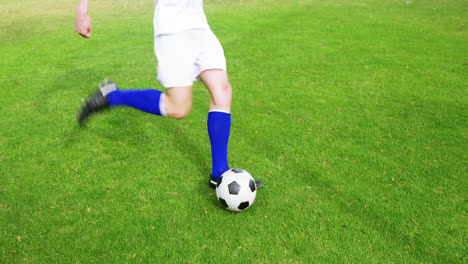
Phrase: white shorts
x=183 y=56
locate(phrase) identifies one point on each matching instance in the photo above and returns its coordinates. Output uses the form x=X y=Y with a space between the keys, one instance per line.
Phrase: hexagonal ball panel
x=243 y=205
x=234 y=188
x=237 y=170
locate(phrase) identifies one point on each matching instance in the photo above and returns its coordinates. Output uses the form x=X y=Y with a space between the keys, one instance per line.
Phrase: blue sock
x=149 y=100
x=219 y=127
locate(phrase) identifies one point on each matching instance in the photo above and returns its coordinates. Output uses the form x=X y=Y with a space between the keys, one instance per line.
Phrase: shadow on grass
x=135 y=135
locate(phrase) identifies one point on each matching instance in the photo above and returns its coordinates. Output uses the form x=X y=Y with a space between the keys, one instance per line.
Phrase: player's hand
x=83 y=24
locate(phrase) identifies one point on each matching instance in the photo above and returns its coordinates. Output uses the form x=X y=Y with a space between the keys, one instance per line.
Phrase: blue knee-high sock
x=219 y=127
x=149 y=100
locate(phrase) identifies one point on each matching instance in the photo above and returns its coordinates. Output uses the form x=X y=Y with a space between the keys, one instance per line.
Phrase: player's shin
x=219 y=127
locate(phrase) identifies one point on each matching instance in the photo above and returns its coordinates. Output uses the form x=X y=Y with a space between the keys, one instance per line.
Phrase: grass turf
x=352 y=113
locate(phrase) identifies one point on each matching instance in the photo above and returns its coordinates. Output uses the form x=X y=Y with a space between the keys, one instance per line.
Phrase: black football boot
x=96 y=103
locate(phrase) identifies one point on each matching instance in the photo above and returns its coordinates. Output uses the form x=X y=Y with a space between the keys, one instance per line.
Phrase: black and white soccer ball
x=236 y=190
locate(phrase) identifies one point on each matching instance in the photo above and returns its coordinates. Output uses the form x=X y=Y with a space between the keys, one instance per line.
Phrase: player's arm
x=82 y=20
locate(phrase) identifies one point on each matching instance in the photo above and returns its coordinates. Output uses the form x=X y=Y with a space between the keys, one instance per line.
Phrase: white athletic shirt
x=172 y=16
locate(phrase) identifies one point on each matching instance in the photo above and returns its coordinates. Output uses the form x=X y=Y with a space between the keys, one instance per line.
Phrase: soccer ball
x=236 y=190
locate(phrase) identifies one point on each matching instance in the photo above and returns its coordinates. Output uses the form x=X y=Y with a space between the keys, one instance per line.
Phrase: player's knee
x=228 y=93
x=180 y=112
x=178 y=106
x=223 y=96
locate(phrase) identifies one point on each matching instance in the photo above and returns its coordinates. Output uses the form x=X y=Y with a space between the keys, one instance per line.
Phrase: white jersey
x=172 y=16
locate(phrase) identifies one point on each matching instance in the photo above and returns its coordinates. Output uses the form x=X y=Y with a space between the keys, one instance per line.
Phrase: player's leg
x=176 y=103
x=176 y=58
x=219 y=118
x=216 y=80
x=147 y=100
x=211 y=66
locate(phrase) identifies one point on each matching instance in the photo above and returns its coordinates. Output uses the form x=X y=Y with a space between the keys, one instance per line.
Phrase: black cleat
x=97 y=102
x=213 y=182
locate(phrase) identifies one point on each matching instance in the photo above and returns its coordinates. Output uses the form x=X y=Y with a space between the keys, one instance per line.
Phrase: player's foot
x=97 y=102
x=213 y=182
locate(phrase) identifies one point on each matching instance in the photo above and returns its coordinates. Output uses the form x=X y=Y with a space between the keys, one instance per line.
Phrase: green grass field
x=353 y=113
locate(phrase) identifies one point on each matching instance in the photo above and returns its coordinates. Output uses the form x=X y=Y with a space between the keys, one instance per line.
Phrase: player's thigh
x=180 y=95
